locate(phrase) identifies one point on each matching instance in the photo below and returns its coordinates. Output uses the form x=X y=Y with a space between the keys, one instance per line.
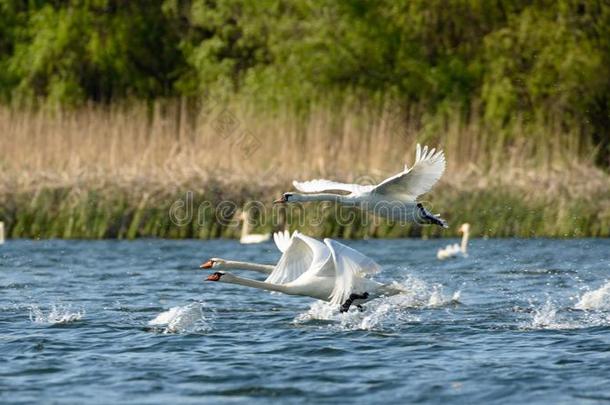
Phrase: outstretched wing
x=282 y=240
x=302 y=253
x=320 y=185
x=419 y=179
x=349 y=263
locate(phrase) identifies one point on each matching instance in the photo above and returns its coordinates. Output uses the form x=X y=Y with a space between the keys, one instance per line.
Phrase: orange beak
x=280 y=200
x=214 y=277
x=207 y=265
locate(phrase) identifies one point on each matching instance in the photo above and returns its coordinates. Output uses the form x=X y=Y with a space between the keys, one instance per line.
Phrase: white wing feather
x=282 y=240
x=302 y=253
x=349 y=264
x=320 y=185
x=409 y=184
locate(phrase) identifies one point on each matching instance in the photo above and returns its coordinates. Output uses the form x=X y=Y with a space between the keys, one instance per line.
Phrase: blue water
x=134 y=322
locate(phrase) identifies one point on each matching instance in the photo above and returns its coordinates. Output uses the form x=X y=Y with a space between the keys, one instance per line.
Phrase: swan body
x=394 y=198
x=246 y=237
x=328 y=271
x=456 y=250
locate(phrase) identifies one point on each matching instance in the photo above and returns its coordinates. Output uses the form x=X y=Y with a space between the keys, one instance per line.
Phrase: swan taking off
x=456 y=250
x=246 y=237
x=328 y=271
x=394 y=198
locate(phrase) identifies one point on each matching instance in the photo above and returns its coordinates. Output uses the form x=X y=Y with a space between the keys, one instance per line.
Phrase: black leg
x=432 y=219
x=353 y=296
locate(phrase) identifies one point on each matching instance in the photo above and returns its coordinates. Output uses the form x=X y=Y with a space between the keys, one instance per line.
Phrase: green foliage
x=121 y=212
x=98 y=50
x=545 y=62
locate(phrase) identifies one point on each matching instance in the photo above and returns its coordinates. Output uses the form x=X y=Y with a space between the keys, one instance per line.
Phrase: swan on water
x=246 y=237
x=328 y=271
x=456 y=250
x=394 y=198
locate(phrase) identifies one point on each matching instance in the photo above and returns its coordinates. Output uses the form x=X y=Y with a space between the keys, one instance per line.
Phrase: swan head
x=286 y=197
x=216 y=276
x=465 y=228
x=212 y=263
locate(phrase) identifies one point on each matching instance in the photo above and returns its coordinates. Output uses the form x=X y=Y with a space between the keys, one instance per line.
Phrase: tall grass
x=114 y=171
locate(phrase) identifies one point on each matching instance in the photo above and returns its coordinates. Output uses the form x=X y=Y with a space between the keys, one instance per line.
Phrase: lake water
x=134 y=322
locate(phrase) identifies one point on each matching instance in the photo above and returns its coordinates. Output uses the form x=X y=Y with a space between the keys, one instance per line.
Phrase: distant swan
x=393 y=198
x=456 y=250
x=328 y=271
x=246 y=237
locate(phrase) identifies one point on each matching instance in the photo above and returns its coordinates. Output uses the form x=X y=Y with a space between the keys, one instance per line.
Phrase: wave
x=58 y=314
x=382 y=313
x=595 y=300
x=188 y=318
x=547 y=317
x=550 y=316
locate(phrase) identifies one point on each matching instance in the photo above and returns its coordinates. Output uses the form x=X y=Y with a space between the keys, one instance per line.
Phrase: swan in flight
x=328 y=271
x=394 y=198
x=246 y=237
x=282 y=240
x=456 y=250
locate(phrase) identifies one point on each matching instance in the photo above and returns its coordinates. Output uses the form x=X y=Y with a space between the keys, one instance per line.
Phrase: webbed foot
x=353 y=296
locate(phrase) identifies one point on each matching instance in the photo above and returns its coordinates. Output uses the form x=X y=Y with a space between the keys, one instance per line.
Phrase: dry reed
x=150 y=154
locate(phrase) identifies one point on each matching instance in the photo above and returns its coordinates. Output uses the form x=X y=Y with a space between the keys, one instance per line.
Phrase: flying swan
x=394 y=198
x=456 y=250
x=328 y=271
x=282 y=240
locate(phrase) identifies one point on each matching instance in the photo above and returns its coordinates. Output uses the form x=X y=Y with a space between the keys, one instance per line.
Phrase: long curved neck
x=245 y=228
x=464 y=245
x=319 y=197
x=261 y=268
x=261 y=285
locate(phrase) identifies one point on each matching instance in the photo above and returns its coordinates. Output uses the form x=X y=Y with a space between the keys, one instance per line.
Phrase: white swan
x=246 y=237
x=456 y=250
x=218 y=263
x=282 y=241
x=393 y=198
x=328 y=271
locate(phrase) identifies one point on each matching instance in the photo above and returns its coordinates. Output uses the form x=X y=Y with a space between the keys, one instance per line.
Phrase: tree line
x=528 y=60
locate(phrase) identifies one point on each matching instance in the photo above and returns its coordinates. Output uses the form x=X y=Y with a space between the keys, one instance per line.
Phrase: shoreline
x=195 y=211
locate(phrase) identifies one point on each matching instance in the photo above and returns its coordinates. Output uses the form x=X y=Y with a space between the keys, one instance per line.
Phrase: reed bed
x=118 y=171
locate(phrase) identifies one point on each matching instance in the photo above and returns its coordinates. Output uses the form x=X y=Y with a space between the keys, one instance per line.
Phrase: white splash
x=182 y=319
x=547 y=317
x=58 y=314
x=595 y=300
x=385 y=312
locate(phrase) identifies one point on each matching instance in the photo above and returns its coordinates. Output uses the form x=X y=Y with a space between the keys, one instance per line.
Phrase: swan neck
x=261 y=268
x=261 y=285
x=245 y=228
x=464 y=245
x=320 y=197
